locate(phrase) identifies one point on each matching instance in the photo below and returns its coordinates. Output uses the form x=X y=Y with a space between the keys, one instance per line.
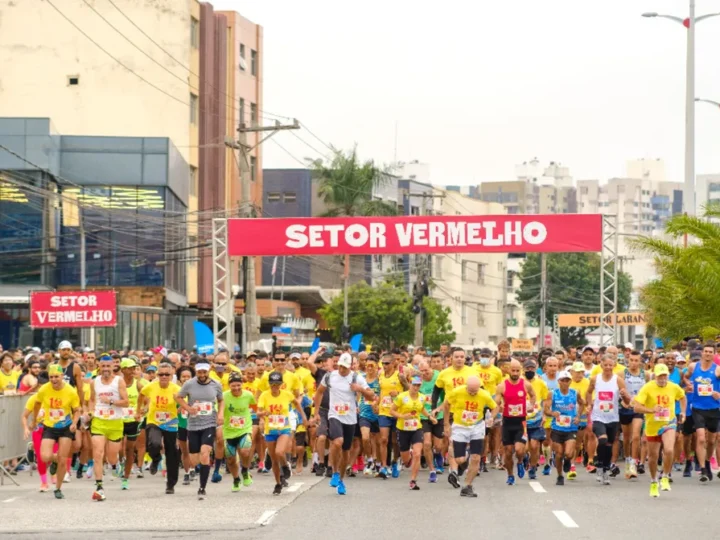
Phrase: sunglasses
x=163 y=374
x=221 y=363
x=386 y=363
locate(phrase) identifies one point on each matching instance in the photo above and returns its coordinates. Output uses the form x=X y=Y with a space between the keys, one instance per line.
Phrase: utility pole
x=83 y=271
x=251 y=324
x=282 y=281
x=543 y=298
x=346 y=279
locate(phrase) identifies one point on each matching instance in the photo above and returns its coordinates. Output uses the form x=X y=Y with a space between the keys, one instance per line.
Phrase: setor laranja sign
x=416 y=234
x=72 y=309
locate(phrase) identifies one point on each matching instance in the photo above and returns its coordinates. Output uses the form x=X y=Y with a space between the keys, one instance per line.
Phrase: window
x=500 y=306
x=510 y=277
x=273 y=196
x=193 y=109
x=481 y=274
x=480 y=315
x=253 y=114
x=253 y=168
x=289 y=196
x=438 y=267
x=253 y=63
x=194 y=32
x=242 y=50
x=464 y=313
x=463 y=270
x=243 y=66
x=241 y=111
x=500 y=266
x=193 y=180
x=73 y=80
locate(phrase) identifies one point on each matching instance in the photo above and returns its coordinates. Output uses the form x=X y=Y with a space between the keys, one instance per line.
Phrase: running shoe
x=328 y=472
x=572 y=474
x=521 y=469
x=278 y=489
x=395 y=470
x=335 y=480
x=154 y=464
x=591 y=468
x=59 y=494
x=641 y=468
x=599 y=475
x=201 y=494
x=414 y=486
x=368 y=471
x=453 y=479
x=627 y=469
x=665 y=484
x=614 y=471
x=433 y=477
x=708 y=472
x=687 y=473
x=341 y=488
x=216 y=477
x=567 y=465
x=169 y=491
x=383 y=473
x=605 y=478
x=79 y=472
x=654 y=489
x=186 y=480
x=124 y=484
x=43 y=488
x=319 y=469
x=98 y=495
x=546 y=470
x=247 y=479
x=483 y=467
x=236 y=485
x=510 y=481
x=560 y=481
x=532 y=473
x=632 y=472
x=467 y=491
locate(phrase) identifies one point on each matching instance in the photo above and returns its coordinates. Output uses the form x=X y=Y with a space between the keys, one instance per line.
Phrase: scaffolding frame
x=223 y=300
x=609 y=281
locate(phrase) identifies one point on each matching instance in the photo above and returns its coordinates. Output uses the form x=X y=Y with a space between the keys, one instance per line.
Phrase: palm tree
x=684 y=300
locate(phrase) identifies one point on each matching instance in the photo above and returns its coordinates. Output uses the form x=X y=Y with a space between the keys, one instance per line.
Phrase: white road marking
x=294 y=487
x=565 y=519
x=266 y=517
x=536 y=487
x=10 y=500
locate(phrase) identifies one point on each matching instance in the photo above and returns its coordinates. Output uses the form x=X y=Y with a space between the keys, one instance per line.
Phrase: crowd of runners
x=381 y=414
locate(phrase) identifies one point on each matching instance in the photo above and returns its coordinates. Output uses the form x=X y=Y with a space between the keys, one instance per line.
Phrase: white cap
x=345 y=360
x=65 y=345
x=28 y=357
x=564 y=375
x=629 y=345
x=294 y=355
x=202 y=365
x=36 y=350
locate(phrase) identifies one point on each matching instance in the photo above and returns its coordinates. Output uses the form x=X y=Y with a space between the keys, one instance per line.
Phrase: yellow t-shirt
x=405 y=403
x=277 y=408
x=252 y=388
x=469 y=410
x=290 y=383
x=617 y=370
x=58 y=405
x=30 y=406
x=582 y=388
x=541 y=394
x=451 y=378
x=86 y=391
x=388 y=385
x=306 y=380
x=490 y=376
x=651 y=395
x=162 y=410
x=8 y=383
x=223 y=381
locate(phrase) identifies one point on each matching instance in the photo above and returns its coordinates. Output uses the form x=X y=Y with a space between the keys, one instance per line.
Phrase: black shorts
x=561 y=437
x=610 y=430
x=200 y=438
x=256 y=421
x=626 y=419
x=372 y=424
x=436 y=429
x=300 y=438
x=323 y=428
x=476 y=448
x=513 y=431
x=688 y=427
x=406 y=439
x=182 y=434
x=706 y=419
x=338 y=430
x=131 y=430
x=57 y=433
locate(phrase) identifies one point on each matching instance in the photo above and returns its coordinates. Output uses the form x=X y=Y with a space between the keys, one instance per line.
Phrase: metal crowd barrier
x=12 y=443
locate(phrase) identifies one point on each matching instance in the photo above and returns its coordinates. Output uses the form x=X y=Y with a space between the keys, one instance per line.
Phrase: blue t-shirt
x=566 y=405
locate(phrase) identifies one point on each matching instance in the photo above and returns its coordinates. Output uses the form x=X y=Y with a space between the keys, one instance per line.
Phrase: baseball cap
x=588 y=348
x=160 y=350
x=28 y=356
x=485 y=352
x=64 y=345
x=564 y=375
x=661 y=369
x=127 y=363
x=202 y=366
x=295 y=355
x=629 y=345
x=416 y=379
x=345 y=360
x=55 y=369
x=529 y=364
x=275 y=378
x=151 y=367
x=578 y=366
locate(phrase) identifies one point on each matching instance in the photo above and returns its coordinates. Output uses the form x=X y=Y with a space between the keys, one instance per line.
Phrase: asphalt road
x=582 y=509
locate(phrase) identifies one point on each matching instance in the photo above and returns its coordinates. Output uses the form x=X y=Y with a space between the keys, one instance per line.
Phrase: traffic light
x=420 y=291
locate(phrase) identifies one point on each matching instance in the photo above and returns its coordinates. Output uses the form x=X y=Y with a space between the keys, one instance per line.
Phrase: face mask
x=484 y=362
x=621 y=357
x=529 y=375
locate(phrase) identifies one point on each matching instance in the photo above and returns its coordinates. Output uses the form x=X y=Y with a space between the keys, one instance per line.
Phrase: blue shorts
x=275 y=434
x=386 y=422
x=367 y=423
x=536 y=433
x=234 y=444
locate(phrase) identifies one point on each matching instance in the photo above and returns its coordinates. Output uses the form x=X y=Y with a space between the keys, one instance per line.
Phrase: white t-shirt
x=343 y=401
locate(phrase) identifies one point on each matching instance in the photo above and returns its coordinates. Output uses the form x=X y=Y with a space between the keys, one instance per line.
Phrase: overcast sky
x=478 y=87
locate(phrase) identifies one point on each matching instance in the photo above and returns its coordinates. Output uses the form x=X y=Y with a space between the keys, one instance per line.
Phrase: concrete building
x=707 y=191
x=647 y=169
x=412 y=170
x=472 y=285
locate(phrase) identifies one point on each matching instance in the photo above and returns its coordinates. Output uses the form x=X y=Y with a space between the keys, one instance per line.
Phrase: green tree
x=683 y=300
x=573 y=286
x=346 y=185
x=384 y=316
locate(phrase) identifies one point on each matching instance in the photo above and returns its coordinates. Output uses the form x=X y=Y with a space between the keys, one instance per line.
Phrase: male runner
x=368 y=420
x=580 y=383
x=131 y=427
x=392 y=382
x=631 y=421
x=549 y=376
x=656 y=400
x=564 y=406
x=108 y=396
x=534 y=421
x=202 y=399
x=512 y=395
x=433 y=434
x=238 y=429
x=491 y=376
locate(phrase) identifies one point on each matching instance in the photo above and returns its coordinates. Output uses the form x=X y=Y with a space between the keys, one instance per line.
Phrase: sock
x=236 y=480
x=244 y=471
x=629 y=460
x=218 y=463
x=204 y=474
x=98 y=484
x=43 y=478
x=315 y=458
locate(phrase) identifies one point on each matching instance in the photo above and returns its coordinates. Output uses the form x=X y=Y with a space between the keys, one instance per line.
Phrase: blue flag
x=204 y=339
x=355 y=342
x=315 y=345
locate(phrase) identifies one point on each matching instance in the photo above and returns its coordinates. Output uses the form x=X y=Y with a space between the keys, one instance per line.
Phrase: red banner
x=553 y=233
x=72 y=309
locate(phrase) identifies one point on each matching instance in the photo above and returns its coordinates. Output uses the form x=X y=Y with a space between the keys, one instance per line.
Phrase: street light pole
x=689 y=23
x=710 y=101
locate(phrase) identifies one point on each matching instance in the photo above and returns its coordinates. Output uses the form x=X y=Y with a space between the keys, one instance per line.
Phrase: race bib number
x=238 y=422
x=105 y=413
x=183 y=415
x=705 y=390
x=564 y=421
x=663 y=415
x=56 y=415
x=129 y=413
x=205 y=408
x=386 y=402
x=342 y=409
x=410 y=424
x=276 y=421
x=162 y=417
x=515 y=410
x=605 y=400
x=469 y=418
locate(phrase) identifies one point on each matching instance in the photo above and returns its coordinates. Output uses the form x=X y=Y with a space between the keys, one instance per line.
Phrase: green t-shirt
x=237 y=417
x=182 y=418
x=426 y=388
